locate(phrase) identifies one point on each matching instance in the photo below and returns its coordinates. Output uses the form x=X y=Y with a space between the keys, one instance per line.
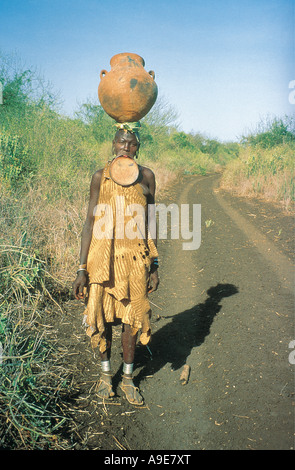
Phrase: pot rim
x=132 y=56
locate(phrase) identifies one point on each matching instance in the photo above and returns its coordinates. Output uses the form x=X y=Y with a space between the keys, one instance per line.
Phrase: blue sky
x=223 y=65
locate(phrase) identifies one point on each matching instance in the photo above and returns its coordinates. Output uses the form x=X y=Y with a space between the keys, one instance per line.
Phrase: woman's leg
x=104 y=386
x=128 y=344
x=127 y=385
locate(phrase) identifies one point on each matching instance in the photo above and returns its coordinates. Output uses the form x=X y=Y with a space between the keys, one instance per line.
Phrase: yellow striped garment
x=118 y=262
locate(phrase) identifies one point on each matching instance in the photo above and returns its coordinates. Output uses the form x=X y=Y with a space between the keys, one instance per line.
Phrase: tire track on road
x=278 y=262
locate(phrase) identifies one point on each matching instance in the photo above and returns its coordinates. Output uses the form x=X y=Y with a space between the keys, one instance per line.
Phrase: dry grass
x=51 y=229
x=263 y=173
x=33 y=414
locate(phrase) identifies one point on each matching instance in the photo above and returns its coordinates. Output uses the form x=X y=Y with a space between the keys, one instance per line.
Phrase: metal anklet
x=127 y=368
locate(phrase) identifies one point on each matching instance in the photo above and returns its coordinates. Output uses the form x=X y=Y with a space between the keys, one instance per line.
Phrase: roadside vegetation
x=46 y=163
x=265 y=165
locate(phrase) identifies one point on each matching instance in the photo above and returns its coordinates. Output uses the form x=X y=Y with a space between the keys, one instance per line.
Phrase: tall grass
x=265 y=167
x=32 y=383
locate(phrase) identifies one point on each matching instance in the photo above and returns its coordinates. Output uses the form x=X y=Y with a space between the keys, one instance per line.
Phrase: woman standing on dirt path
x=117 y=267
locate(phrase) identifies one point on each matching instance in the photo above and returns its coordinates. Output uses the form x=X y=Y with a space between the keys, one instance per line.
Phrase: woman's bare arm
x=81 y=279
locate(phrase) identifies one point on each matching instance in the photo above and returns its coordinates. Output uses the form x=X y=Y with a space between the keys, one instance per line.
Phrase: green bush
x=272 y=133
x=15 y=159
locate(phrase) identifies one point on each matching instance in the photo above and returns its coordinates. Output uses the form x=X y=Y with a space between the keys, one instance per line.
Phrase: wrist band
x=81 y=269
x=156 y=262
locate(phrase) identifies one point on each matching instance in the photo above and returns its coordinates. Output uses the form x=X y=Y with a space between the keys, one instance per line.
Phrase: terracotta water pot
x=128 y=91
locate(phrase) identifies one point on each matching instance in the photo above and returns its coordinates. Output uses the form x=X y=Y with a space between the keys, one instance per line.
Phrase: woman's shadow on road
x=174 y=342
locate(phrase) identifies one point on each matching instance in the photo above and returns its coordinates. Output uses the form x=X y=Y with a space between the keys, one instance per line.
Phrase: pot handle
x=152 y=73
x=103 y=73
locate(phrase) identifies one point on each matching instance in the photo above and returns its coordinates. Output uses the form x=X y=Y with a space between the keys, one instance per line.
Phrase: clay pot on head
x=128 y=91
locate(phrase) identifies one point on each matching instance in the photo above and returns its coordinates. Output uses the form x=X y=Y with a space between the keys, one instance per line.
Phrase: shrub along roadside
x=16 y=163
x=33 y=386
x=265 y=166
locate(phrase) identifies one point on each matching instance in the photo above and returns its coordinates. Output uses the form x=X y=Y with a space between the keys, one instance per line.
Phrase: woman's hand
x=153 y=281
x=79 y=284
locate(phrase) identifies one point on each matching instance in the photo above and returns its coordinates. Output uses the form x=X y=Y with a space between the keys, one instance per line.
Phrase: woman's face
x=125 y=143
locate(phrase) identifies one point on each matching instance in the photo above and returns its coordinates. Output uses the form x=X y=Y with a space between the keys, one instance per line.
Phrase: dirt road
x=226 y=310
